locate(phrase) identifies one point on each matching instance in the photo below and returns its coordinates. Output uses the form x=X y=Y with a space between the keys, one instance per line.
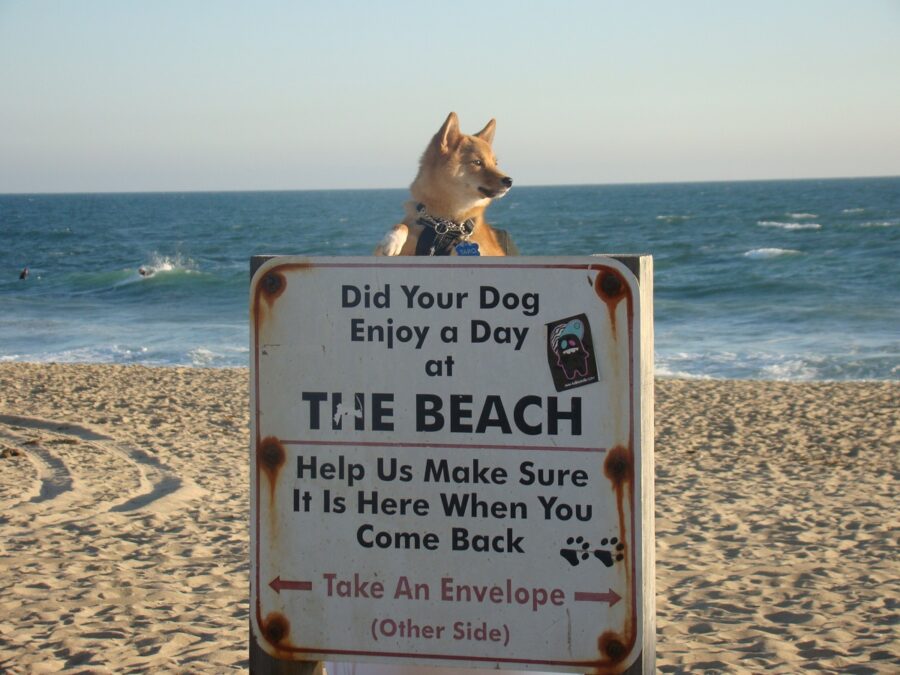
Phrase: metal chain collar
x=446 y=232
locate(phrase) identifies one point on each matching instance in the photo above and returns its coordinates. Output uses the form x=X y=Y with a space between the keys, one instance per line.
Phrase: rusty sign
x=449 y=461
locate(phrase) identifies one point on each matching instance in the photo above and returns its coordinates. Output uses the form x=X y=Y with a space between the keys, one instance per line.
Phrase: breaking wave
x=761 y=253
x=789 y=226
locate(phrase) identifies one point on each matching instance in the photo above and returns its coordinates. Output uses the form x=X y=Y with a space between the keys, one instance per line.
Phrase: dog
x=457 y=179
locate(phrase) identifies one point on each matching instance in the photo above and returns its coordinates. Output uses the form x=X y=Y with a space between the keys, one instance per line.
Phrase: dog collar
x=440 y=234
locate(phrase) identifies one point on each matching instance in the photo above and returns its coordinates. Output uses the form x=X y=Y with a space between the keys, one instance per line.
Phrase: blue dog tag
x=467 y=248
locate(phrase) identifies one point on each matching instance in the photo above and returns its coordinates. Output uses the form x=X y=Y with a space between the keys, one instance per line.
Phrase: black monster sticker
x=570 y=352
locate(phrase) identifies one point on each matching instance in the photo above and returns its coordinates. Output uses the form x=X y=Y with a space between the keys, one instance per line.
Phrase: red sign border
x=310 y=264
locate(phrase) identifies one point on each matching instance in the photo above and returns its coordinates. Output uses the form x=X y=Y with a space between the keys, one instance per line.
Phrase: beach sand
x=124 y=509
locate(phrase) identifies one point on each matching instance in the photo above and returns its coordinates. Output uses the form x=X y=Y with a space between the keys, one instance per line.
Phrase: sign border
x=265 y=634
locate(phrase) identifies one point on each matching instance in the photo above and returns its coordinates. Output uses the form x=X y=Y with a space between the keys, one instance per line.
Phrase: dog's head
x=463 y=166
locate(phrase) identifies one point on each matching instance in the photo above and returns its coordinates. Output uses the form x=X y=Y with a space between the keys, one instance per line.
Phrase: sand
x=124 y=508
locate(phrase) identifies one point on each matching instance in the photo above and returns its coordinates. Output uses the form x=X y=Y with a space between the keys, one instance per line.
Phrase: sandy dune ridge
x=124 y=508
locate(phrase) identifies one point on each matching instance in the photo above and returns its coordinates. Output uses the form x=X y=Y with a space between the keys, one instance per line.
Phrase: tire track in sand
x=82 y=472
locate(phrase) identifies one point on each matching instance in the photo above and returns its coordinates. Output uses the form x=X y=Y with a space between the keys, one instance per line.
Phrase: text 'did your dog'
x=413 y=297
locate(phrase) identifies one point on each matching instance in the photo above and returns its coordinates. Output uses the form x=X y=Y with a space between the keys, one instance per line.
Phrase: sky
x=118 y=95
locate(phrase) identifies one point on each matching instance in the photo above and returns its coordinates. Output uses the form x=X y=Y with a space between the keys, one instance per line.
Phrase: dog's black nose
x=507 y=181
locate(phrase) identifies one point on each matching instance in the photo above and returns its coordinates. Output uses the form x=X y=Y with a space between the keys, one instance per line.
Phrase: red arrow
x=278 y=583
x=612 y=597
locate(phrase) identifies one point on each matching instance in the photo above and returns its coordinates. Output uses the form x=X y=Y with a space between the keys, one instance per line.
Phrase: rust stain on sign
x=276 y=629
x=271 y=457
x=269 y=288
x=612 y=647
x=619 y=469
x=611 y=287
x=272 y=286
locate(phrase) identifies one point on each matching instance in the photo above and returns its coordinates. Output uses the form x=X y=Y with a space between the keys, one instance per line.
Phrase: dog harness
x=441 y=236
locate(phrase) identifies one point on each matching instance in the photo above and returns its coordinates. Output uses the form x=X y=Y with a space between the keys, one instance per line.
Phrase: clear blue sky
x=211 y=95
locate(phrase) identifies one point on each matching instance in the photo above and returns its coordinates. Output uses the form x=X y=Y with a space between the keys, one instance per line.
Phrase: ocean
x=775 y=280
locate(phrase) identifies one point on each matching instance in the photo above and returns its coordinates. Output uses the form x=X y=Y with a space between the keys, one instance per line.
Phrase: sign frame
x=267 y=646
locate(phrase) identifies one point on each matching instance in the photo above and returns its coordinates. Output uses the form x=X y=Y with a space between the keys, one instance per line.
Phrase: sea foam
x=789 y=226
x=770 y=252
x=163 y=263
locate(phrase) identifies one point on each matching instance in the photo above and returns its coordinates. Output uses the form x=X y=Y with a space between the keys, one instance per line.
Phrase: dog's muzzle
x=493 y=194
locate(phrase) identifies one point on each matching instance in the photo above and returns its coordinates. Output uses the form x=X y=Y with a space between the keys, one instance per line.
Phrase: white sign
x=446 y=461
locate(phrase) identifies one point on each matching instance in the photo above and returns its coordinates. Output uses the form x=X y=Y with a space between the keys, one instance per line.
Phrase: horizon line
x=374 y=189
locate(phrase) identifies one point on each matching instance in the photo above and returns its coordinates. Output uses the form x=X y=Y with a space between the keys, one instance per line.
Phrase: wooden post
x=642 y=268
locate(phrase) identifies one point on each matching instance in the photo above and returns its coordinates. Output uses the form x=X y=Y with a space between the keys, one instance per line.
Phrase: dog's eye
x=477 y=162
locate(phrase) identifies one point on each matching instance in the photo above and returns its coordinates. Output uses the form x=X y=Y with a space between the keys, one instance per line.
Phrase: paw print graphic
x=579 y=551
x=611 y=555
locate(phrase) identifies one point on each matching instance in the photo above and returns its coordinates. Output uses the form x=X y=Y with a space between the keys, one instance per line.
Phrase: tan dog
x=458 y=177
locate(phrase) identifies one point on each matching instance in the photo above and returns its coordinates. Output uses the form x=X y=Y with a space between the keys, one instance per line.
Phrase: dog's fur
x=458 y=177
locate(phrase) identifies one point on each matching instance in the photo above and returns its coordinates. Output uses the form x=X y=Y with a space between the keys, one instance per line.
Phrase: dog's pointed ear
x=448 y=134
x=487 y=134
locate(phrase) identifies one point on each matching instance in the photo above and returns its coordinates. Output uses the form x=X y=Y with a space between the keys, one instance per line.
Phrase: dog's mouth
x=493 y=194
